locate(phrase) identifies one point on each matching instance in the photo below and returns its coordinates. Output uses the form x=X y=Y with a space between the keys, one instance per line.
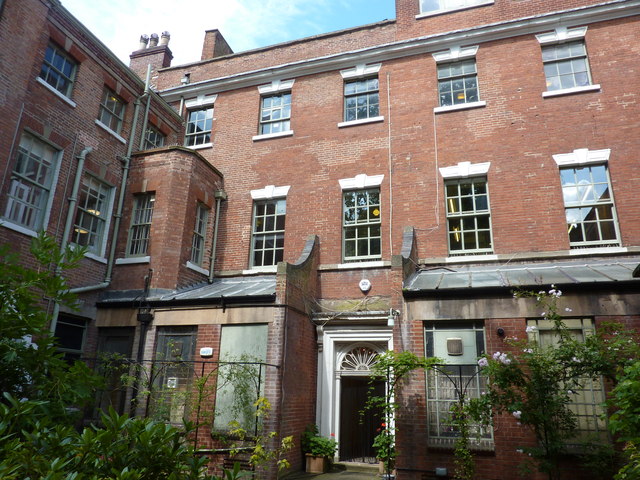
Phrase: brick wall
x=180 y=179
x=498 y=11
x=518 y=131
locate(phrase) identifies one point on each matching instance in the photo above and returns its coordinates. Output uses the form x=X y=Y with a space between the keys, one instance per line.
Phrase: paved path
x=338 y=472
x=334 y=475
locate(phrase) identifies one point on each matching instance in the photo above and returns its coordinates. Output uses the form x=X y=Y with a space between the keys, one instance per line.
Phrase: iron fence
x=205 y=392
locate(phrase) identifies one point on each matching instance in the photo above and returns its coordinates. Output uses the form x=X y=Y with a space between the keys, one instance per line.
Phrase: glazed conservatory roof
x=450 y=278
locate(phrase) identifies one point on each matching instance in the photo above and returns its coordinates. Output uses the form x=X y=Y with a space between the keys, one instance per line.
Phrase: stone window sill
x=364 y=121
x=570 y=91
x=460 y=106
x=111 y=132
x=267 y=136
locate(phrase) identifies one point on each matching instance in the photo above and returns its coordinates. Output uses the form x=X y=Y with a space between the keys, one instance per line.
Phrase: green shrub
x=315 y=444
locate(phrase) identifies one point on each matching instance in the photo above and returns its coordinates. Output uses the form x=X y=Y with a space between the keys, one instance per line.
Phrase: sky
x=245 y=24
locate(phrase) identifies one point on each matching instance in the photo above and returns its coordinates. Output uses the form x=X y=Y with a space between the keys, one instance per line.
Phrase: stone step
x=357 y=467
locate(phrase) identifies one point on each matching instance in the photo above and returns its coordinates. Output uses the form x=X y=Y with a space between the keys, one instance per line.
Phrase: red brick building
x=381 y=187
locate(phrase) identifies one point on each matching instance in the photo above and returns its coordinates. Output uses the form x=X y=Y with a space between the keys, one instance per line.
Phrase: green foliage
x=384 y=444
x=625 y=421
x=315 y=444
x=536 y=384
x=263 y=448
x=32 y=445
x=238 y=388
x=30 y=365
x=464 y=461
x=631 y=470
x=392 y=368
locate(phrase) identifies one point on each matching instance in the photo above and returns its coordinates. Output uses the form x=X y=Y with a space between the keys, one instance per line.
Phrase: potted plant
x=319 y=450
x=384 y=445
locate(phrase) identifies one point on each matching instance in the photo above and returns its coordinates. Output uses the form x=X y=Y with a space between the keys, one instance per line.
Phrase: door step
x=357 y=467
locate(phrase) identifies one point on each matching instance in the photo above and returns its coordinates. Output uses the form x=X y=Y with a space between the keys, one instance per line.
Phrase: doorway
x=357 y=430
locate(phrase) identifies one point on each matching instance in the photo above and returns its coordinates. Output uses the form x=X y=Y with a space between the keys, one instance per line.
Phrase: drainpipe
x=118 y=215
x=148 y=106
x=73 y=200
x=219 y=195
x=126 y=165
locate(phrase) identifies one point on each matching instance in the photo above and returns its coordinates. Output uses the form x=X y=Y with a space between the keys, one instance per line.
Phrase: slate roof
x=221 y=289
x=227 y=287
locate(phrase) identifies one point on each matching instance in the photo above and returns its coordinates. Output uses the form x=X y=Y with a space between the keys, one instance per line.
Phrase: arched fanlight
x=359 y=359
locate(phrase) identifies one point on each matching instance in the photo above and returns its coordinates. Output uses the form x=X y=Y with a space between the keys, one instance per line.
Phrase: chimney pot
x=153 y=41
x=144 y=39
x=164 y=38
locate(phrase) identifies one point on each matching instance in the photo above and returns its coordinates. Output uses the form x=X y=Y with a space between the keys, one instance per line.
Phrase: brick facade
x=319 y=307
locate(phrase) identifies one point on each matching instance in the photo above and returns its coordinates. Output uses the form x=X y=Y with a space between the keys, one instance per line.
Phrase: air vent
x=454 y=346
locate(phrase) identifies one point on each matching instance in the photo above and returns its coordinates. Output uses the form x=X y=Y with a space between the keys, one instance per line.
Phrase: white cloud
x=245 y=24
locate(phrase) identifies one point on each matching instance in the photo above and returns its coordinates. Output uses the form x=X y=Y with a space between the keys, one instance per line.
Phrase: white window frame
x=351 y=229
x=456 y=215
x=153 y=137
x=361 y=72
x=274 y=89
x=557 y=37
x=112 y=109
x=451 y=6
x=268 y=194
x=585 y=158
x=359 y=182
x=200 y=103
x=282 y=124
x=454 y=55
x=99 y=216
x=199 y=239
x=456 y=173
x=52 y=76
x=198 y=120
x=140 y=227
x=22 y=186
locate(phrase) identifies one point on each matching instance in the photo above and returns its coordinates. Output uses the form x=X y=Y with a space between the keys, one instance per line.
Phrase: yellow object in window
x=376 y=212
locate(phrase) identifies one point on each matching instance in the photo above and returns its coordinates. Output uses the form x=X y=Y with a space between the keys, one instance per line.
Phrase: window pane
x=31 y=183
x=268 y=232
x=141 y=224
x=362 y=207
x=58 y=70
x=589 y=207
x=565 y=65
x=468 y=231
x=199 y=126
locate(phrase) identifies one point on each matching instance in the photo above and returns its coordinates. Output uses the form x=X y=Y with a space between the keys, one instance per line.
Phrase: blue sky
x=245 y=24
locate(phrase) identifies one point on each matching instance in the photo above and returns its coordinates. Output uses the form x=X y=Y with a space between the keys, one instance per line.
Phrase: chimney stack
x=153 y=50
x=214 y=45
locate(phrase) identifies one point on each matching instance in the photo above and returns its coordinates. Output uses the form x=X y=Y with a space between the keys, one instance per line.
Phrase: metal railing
x=205 y=392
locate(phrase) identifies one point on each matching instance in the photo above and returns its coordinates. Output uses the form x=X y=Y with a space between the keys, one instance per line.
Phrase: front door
x=357 y=430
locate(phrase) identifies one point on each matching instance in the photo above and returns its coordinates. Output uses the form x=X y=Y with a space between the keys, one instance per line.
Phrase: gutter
x=584 y=15
x=223 y=302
